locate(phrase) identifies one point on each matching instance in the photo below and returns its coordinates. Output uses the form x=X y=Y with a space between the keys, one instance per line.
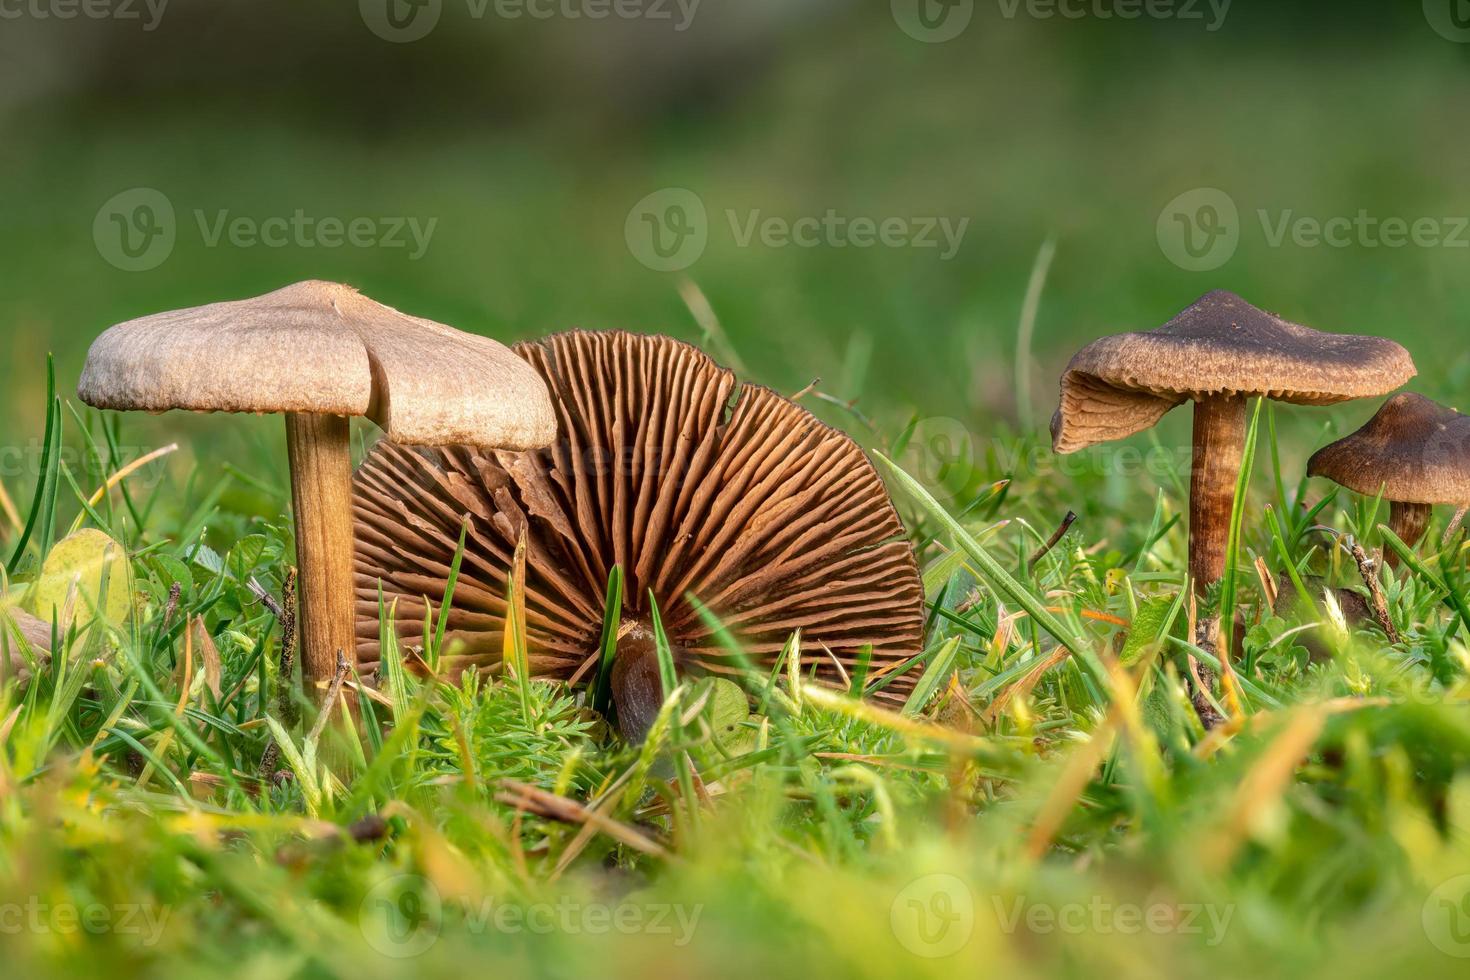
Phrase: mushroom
x=1217 y=353
x=17 y=623
x=320 y=353
x=701 y=490
x=1415 y=452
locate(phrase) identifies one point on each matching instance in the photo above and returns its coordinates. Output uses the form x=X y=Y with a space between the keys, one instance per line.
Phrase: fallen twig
x=1455 y=524
x=329 y=705
x=1368 y=569
x=534 y=800
x=1052 y=542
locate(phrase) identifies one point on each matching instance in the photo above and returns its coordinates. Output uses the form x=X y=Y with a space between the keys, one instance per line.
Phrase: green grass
x=1053 y=806
x=1054 y=764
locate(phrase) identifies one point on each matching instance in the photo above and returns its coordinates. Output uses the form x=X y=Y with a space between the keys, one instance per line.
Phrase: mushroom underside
x=732 y=511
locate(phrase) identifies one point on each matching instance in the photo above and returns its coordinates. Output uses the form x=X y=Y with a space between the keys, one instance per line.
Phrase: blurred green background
x=524 y=143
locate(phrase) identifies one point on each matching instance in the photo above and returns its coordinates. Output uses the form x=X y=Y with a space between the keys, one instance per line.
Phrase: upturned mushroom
x=702 y=490
x=1217 y=353
x=321 y=353
x=1415 y=452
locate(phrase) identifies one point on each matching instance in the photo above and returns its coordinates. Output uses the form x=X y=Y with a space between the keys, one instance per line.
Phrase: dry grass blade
x=1263 y=786
x=1074 y=777
x=534 y=800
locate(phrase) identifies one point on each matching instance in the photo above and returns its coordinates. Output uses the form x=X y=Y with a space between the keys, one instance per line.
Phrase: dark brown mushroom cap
x=694 y=485
x=1414 y=450
x=1221 y=345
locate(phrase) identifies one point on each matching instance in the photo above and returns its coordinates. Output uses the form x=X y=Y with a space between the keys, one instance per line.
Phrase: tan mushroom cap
x=323 y=348
x=1414 y=450
x=1221 y=345
x=696 y=485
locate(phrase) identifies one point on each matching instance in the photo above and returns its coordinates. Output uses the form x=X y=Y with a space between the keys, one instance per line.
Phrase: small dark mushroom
x=1289 y=606
x=697 y=487
x=1218 y=353
x=1415 y=452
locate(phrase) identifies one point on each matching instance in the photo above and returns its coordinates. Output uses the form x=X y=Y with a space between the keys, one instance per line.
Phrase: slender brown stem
x=1409 y=522
x=1369 y=573
x=1454 y=526
x=1219 y=444
x=321 y=489
x=1054 y=540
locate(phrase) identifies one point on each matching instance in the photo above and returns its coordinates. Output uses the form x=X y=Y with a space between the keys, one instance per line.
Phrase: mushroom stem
x=1219 y=444
x=637 y=688
x=1409 y=522
x=321 y=491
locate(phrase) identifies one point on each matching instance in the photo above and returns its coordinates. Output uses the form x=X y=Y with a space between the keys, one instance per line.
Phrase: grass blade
x=41 y=522
x=992 y=569
x=612 y=622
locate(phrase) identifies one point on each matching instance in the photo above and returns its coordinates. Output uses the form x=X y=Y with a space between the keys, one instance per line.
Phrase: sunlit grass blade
x=667 y=674
x=437 y=648
x=612 y=618
x=992 y=569
x=1230 y=583
x=939 y=671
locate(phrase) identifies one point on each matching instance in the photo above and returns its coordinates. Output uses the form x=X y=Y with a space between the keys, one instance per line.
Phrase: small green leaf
x=1148 y=627
x=97 y=568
